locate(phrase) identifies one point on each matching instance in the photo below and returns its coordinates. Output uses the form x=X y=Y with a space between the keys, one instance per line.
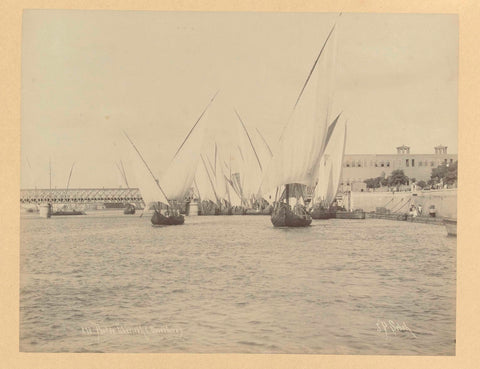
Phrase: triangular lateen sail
x=330 y=167
x=297 y=157
x=177 y=180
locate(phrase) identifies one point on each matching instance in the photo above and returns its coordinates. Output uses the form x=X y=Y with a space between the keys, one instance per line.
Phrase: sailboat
x=152 y=193
x=67 y=210
x=176 y=180
x=296 y=159
x=129 y=208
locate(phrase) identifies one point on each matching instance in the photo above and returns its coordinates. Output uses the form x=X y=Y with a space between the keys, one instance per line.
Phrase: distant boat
x=451 y=226
x=67 y=212
x=152 y=192
x=357 y=214
x=129 y=209
x=67 y=209
x=319 y=212
x=167 y=219
x=296 y=160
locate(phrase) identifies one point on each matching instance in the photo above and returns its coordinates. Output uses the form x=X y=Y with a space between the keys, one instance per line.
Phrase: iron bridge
x=81 y=196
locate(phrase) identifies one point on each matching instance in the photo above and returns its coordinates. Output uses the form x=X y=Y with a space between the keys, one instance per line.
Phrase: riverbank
x=406 y=218
x=444 y=201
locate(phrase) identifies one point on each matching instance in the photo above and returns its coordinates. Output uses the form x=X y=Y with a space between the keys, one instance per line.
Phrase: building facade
x=357 y=168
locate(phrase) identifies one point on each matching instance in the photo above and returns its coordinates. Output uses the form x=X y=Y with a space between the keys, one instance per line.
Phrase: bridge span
x=82 y=196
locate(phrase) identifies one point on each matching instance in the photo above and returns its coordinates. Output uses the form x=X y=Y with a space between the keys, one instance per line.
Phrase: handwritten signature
x=391 y=326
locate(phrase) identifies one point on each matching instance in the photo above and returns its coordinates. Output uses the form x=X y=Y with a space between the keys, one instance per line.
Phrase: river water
x=108 y=282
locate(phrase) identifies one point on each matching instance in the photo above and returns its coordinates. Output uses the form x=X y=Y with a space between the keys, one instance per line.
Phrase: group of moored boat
x=309 y=155
x=47 y=211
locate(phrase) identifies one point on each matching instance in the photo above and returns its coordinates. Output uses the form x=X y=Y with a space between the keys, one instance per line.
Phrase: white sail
x=324 y=177
x=330 y=168
x=178 y=178
x=297 y=156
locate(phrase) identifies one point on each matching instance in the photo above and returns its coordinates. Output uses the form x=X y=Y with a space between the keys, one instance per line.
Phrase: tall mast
x=199 y=196
x=198 y=120
x=210 y=179
x=70 y=176
x=215 y=167
x=146 y=165
x=308 y=77
x=124 y=174
x=249 y=139
x=265 y=142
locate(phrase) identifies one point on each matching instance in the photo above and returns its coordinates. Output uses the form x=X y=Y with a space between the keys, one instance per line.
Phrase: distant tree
x=452 y=174
x=422 y=184
x=446 y=173
x=397 y=178
x=438 y=173
x=372 y=182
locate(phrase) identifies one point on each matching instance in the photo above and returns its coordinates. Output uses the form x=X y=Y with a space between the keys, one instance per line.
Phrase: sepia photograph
x=238 y=182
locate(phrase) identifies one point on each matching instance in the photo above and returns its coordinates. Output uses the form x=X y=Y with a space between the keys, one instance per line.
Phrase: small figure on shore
x=413 y=211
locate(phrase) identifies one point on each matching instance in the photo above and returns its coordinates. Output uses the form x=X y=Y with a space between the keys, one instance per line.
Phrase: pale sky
x=88 y=75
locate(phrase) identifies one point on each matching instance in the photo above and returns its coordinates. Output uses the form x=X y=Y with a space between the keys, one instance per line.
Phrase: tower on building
x=403 y=150
x=440 y=150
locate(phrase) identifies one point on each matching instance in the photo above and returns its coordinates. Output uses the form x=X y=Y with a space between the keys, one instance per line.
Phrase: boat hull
x=322 y=214
x=350 y=215
x=68 y=212
x=255 y=212
x=451 y=226
x=283 y=216
x=238 y=210
x=130 y=209
x=160 y=219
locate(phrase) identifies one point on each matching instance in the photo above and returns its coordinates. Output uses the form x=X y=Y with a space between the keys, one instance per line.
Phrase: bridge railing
x=80 y=195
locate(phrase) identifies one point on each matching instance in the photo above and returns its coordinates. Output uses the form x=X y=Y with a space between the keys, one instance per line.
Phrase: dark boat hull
x=283 y=216
x=130 y=209
x=67 y=212
x=350 y=215
x=255 y=212
x=318 y=213
x=238 y=210
x=160 y=219
x=225 y=211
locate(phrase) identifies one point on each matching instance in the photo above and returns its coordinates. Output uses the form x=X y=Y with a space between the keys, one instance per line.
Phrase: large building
x=357 y=168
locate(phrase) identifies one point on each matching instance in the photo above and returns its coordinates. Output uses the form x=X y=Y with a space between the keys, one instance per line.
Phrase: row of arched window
x=366 y=163
x=394 y=163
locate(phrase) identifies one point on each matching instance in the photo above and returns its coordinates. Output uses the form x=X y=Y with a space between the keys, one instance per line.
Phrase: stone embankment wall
x=445 y=201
